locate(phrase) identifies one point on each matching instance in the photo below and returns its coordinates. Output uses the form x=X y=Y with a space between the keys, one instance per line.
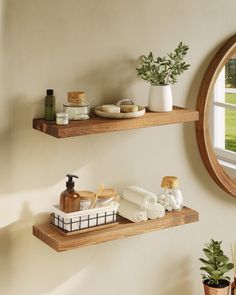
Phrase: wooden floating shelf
x=125 y=228
x=101 y=125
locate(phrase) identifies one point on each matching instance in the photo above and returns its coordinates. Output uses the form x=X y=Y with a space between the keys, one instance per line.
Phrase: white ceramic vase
x=160 y=98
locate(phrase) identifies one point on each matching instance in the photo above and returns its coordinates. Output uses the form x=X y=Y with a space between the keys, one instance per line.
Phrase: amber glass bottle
x=70 y=198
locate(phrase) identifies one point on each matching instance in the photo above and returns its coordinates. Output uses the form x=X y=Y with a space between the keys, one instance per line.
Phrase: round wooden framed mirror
x=216 y=128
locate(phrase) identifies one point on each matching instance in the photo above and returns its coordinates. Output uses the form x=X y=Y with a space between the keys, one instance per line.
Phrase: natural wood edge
x=82 y=231
x=202 y=132
x=101 y=125
x=58 y=242
x=37 y=232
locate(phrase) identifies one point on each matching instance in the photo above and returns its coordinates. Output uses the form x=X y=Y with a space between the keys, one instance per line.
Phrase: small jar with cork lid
x=171 y=190
x=77 y=108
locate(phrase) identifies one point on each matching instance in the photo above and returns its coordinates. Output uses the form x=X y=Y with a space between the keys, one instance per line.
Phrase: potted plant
x=216 y=265
x=161 y=72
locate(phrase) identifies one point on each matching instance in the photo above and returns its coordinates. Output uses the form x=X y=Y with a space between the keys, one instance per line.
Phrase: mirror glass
x=216 y=128
x=222 y=117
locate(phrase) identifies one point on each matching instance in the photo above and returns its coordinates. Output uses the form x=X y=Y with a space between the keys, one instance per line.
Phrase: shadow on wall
x=22 y=254
x=34 y=160
x=30 y=157
x=110 y=82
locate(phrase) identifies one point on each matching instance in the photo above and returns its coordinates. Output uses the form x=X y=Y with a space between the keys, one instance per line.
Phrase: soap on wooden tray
x=110 y=108
x=129 y=108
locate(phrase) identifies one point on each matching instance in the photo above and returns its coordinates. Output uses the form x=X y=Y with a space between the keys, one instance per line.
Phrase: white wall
x=92 y=45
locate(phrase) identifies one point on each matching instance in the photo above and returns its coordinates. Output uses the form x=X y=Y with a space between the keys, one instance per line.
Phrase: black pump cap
x=70 y=183
x=50 y=92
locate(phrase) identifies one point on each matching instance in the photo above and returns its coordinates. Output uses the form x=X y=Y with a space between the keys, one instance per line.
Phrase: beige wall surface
x=92 y=45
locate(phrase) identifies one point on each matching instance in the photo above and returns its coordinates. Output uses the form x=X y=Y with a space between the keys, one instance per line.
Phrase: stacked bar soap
x=139 y=204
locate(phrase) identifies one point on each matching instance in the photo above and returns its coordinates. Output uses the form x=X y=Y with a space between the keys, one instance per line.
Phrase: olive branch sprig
x=163 y=70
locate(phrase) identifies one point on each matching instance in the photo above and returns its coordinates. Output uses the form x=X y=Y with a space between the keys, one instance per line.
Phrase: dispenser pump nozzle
x=70 y=183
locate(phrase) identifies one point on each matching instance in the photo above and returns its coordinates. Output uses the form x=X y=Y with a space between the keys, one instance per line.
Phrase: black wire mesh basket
x=84 y=219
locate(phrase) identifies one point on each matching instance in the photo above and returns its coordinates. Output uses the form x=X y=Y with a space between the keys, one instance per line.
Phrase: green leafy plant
x=216 y=264
x=163 y=70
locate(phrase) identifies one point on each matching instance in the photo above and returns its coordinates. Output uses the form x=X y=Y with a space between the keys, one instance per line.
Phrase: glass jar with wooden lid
x=78 y=108
x=172 y=192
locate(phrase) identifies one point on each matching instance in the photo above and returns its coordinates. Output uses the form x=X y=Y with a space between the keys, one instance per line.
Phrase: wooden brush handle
x=101 y=188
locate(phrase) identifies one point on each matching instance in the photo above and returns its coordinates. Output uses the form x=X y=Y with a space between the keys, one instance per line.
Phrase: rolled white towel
x=131 y=211
x=139 y=196
x=156 y=211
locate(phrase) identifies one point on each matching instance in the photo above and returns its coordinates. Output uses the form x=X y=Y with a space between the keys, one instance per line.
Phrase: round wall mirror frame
x=202 y=126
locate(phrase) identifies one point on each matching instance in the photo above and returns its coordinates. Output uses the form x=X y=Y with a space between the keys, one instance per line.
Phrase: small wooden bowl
x=87 y=195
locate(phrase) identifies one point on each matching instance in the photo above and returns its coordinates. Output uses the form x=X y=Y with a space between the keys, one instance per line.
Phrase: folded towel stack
x=139 y=196
x=139 y=205
x=131 y=211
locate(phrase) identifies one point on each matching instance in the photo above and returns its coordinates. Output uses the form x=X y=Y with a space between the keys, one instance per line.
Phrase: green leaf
x=208 y=253
x=223 y=259
x=207 y=269
x=230 y=266
x=205 y=261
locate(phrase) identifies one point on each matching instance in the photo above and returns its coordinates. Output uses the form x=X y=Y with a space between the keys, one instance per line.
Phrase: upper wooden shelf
x=101 y=125
x=49 y=235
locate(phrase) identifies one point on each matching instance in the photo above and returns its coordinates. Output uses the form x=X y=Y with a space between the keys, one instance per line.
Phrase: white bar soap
x=110 y=108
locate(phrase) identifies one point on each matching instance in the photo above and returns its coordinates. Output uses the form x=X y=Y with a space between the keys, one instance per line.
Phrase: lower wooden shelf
x=125 y=228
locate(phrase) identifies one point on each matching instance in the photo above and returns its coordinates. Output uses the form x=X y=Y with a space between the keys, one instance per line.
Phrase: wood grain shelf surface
x=125 y=228
x=101 y=125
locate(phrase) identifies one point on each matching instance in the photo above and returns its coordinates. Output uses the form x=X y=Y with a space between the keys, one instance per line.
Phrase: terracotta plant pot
x=216 y=291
